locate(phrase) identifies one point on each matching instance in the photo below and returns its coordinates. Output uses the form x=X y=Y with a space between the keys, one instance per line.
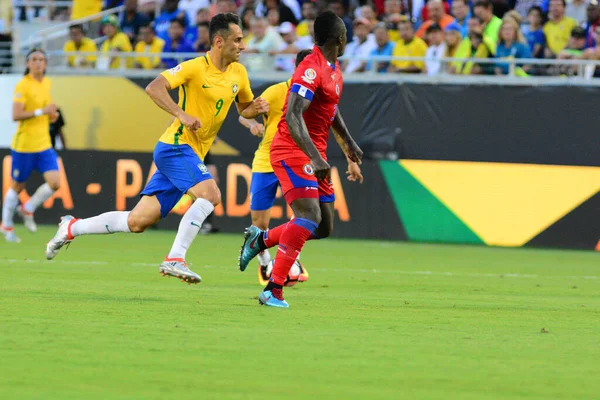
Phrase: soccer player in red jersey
x=298 y=156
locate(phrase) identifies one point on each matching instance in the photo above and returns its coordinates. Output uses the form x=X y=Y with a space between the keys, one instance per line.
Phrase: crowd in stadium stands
x=497 y=29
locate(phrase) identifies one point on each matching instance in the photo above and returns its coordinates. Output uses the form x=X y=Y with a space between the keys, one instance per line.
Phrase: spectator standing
x=149 y=44
x=115 y=41
x=176 y=43
x=85 y=8
x=593 y=21
x=285 y=10
x=132 y=20
x=475 y=45
x=80 y=43
x=191 y=32
x=385 y=47
x=191 y=7
x=437 y=15
x=392 y=16
x=246 y=17
x=362 y=46
x=557 y=29
x=461 y=13
x=264 y=38
x=338 y=7
x=483 y=9
x=577 y=9
x=202 y=43
x=309 y=13
x=435 y=51
x=293 y=45
x=409 y=46
x=169 y=13
x=367 y=12
x=535 y=35
x=273 y=18
x=511 y=44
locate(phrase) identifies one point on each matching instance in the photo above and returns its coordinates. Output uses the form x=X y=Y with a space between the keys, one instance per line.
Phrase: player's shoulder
x=24 y=82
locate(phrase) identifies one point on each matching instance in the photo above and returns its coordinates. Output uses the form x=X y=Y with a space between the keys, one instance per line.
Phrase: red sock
x=272 y=236
x=291 y=242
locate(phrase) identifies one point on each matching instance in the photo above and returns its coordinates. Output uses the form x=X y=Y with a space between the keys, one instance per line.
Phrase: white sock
x=110 y=222
x=264 y=257
x=11 y=201
x=43 y=193
x=189 y=226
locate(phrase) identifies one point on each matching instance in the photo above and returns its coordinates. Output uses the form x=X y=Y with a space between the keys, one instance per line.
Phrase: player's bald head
x=328 y=28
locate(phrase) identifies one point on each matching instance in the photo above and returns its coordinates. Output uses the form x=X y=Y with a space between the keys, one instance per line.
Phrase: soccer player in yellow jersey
x=208 y=85
x=31 y=148
x=263 y=188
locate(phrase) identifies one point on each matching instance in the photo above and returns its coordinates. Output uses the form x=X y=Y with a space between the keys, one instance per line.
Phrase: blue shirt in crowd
x=162 y=22
x=182 y=47
x=534 y=38
x=516 y=50
x=386 y=50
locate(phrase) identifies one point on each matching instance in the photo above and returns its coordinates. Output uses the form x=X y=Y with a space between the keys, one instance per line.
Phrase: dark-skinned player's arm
x=346 y=143
x=158 y=90
x=297 y=105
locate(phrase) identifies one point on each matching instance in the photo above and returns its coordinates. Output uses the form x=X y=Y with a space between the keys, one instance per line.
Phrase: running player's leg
x=47 y=165
x=263 y=190
x=22 y=166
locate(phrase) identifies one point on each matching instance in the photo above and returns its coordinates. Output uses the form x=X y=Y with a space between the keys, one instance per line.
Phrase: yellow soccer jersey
x=120 y=42
x=275 y=95
x=33 y=134
x=207 y=94
x=155 y=48
x=87 y=46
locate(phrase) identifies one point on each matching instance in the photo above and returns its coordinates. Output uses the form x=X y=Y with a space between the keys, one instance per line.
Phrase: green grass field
x=376 y=320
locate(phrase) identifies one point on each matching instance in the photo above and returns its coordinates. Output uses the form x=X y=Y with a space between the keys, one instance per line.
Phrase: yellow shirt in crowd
x=85 y=8
x=207 y=94
x=558 y=34
x=119 y=42
x=156 y=47
x=275 y=95
x=33 y=134
x=87 y=46
x=415 y=48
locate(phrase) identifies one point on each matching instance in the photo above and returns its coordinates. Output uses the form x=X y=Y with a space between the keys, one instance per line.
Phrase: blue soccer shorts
x=263 y=190
x=23 y=164
x=178 y=169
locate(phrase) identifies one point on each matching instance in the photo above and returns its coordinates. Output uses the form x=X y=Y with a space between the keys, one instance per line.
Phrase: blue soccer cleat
x=273 y=298
x=250 y=248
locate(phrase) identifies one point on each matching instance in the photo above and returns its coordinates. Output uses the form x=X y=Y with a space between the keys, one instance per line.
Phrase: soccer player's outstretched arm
x=345 y=140
x=158 y=90
x=297 y=127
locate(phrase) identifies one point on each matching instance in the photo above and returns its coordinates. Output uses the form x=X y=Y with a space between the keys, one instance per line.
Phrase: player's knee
x=54 y=185
x=136 y=223
x=17 y=187
x=212 y=194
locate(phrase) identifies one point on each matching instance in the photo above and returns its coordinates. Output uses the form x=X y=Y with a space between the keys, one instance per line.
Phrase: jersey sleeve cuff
x=302 y=91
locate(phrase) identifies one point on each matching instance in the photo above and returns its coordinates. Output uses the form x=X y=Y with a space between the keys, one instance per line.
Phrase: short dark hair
x=327 y=27
x=302 y=55
x=77 y=26
x=483 y=3
x=179 y=21
x=147 y=25
x=578 y=33
x=434 y=28
x=219 y=24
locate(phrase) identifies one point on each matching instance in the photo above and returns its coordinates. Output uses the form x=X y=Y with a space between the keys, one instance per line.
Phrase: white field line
x=367 y=271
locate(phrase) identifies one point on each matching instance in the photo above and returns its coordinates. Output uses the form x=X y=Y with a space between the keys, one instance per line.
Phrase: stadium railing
x=262 y=66
x=42 y=38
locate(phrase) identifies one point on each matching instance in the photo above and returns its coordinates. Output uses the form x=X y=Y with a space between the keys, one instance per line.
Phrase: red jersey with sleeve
x=319 y=81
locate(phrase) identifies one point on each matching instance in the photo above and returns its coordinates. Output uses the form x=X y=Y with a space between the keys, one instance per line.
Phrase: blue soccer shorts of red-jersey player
x=298 y=181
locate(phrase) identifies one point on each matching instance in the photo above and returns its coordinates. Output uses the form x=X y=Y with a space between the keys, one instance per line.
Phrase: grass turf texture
x=375 y=320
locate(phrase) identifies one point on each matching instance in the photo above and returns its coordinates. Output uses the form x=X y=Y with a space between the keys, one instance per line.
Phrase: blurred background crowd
x=430 y=29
